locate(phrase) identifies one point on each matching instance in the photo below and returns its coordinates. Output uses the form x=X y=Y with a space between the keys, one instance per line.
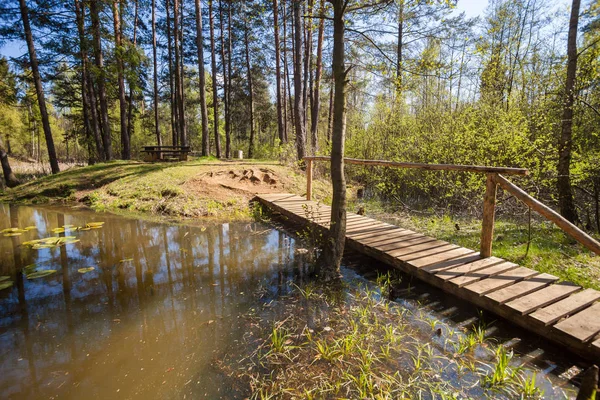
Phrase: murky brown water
x=163 y=304
x=145 y=328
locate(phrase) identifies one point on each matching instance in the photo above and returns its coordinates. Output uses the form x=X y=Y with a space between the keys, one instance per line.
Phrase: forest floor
x=221 y=190
x=207 y=188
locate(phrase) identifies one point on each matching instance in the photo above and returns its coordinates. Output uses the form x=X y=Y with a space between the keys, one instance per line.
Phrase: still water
x=159 y=306
x=147 y=322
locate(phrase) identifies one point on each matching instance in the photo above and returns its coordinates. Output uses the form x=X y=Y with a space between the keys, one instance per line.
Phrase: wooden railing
x=494 y=179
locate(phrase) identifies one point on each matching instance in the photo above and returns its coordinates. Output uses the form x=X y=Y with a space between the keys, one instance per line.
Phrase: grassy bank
x=546 y=248
x=206 y=188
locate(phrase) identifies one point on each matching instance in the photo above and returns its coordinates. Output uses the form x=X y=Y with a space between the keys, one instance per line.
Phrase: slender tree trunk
x=89 y=103
x=307 y=86
x=280 y=125
x=183 y=140
x=178 y=86
x=229 y=67
x=100 y=79
x=9 y=177
x=155 y=76
x=172 y=85
x=314 y=120
x=298 y=84
x=202 y=80
x=286 y=71
x=225 y=83
x=213 y=59
x=39 y=89
x=331 y=256
x=250 y=90
x=565 y=192
x=130 y=102
x=330 y=117
x=125 y=149
x=399 y=50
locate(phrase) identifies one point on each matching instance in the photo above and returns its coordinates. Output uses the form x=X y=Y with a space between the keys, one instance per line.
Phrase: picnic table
x=162 y=153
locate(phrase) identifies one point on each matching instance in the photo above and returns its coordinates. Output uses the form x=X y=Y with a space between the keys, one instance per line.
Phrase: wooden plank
x=439 y=257
x=570 y=305
x=374 y=235
x=309 y=174
x=422 y=250
x=543 y=297
x=583 y=325
x=482 y=274
x=449 y=264
x=467 y=268
x=522 y=289
x=500 y=281
x=387 y=237
x=429 y=167
x=399 y=244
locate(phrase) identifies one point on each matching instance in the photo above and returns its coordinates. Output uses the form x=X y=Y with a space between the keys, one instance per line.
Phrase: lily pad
x=28 y=269
x=69 y=226
x=5 y=285
x=12 y=230
x=30 y=228
x=84 y=270
x=40 y=274
x=126 y=260
x=4 y=278
x=13 y=234
x=94 y=225
x=83 y=229
x=42 y=246
x=58 y=230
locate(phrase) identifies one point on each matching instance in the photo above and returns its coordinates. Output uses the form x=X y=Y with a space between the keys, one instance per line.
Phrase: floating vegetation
x=85 y=270
x=5 y=284
x=94 y=225
x=4 y=278
x=50 y=242
x=58 y=230
x=69 y=226
x=126 y=260
x=40 y=274
x=30 y=228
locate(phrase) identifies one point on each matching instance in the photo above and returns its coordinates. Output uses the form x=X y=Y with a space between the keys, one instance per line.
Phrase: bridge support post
x=489 y=210
x=309 y=172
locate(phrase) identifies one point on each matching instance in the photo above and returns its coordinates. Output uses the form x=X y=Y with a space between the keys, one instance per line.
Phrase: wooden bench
x=162 y=153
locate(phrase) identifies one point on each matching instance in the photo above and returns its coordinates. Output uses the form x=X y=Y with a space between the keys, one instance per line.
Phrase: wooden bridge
x=559 y=311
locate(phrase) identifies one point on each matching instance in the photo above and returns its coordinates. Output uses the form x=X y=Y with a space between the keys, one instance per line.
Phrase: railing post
x=309 y=172
x=489 y=209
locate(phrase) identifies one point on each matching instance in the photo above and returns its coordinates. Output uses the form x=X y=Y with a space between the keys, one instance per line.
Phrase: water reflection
x=161 y=305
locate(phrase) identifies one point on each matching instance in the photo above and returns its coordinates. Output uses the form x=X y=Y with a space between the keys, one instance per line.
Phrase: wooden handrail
x=549 y=214
x=428 y=167
x=493 y=180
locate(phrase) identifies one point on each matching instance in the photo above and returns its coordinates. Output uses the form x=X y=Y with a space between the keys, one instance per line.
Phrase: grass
x=170 y=190
x=550 y=249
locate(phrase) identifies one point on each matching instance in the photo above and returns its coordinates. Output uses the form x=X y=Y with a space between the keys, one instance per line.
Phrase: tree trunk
x=10 y=178
x=213 y=58
x=202 y=80
x=89 y=103
x=307 y=87
x=130 y=102
x=298 y=84
x=100 y=78
x=565 y=192
x=155 y=76
x=280 y=126
x=399 y=50
x=39 y=89
x=125 y=148
x=225 y=83
x=330 y=116
x=286 y=71
x=333 y=250
x=178 y=85
x=250 y=91
x=172 y=86
x=229 y=60
x=314 y=120
x=183 y=122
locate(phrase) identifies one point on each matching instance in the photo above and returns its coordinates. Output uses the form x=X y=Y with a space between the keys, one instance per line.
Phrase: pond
x=126 y=308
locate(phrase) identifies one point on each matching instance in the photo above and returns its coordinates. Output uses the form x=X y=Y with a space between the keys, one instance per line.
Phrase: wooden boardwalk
x=561 y=312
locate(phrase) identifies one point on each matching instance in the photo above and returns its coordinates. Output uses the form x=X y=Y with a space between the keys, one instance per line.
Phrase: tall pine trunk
x=100 y=79
x=172 y=86
x=250 y=90
x=333 y=250
x=202 y=79
x=226 y=92
x=155 y=76
x=125 y=148
x=280 y=124
x=298 y=84
x=565 y=143
x=9 y=177
x=90 y=115
x=178 y=85
x=39 y=89
x=130 y=102
x=213 y=58
x=314 y=120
